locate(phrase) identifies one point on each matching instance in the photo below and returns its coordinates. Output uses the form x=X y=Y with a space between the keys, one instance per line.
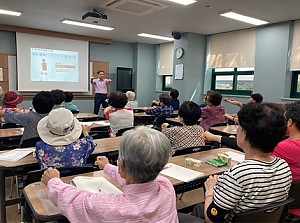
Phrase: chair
x=270 y=213
x=121 y=131
x=74 y=111
x=219 y=124
x=35 y=176
x=138 y=110
x=30 y=142
x=294 y=193
x=162 y=119
x=193 y=149
x=187 y=218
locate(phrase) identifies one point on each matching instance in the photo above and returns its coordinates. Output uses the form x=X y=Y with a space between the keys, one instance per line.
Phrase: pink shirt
x=289 y=150
x=211 y=115
x=101 y=85
x=154 y=201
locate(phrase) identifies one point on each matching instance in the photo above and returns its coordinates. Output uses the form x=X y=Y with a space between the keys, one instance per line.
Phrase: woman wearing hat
x=61 y=146
x=11 y=99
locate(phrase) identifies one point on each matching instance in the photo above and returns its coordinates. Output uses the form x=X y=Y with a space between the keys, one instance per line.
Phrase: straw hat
x=59 y=128
x=11 y=98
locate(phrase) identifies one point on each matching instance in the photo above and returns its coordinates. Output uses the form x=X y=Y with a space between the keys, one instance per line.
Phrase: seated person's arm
x=109 y=169
x=211 y=137
x=212 y=212
x=233 y=102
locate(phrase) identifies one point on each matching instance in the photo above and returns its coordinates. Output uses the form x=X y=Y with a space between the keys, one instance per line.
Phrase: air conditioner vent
x=135 y=7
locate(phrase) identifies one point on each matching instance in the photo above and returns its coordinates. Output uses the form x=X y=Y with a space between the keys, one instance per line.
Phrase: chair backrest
x=121 y=131
x=10 y=125
x=138 y=110
x=219 y=124
x=30 y=142
x=74 y=111
x=194 y=149
x=36 y=175
x=161 y=119
x=270 y=213
x=294 y=193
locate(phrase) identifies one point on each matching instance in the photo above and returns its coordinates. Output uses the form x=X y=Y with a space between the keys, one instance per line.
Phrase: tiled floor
x=188 y=198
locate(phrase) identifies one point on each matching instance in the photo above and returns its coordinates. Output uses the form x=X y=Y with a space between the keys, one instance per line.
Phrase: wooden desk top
x=36 y=193
x=86 y=115
x=224 y=130
x=11 y=132
x=103 y=146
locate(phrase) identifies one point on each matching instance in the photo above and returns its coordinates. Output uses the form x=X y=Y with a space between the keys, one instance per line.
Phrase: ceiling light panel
x=9 y=12
x=87 y=25
x=243 y=18
x=155 y=36
x=183 y=2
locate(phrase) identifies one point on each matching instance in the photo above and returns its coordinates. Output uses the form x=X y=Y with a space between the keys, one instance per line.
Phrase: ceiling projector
x=95 y=14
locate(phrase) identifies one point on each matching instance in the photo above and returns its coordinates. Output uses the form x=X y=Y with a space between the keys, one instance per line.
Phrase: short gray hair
x=145 y=152
x=130 y=95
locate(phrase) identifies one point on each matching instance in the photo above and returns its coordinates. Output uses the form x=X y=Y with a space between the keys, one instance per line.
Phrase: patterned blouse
x=74 y=154
x=185 y=136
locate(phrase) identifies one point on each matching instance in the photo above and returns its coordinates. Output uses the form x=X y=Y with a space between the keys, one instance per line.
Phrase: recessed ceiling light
x=244 y=18
x=88 y=25
x=183 y=2
x=155 y=36
x=8 y=12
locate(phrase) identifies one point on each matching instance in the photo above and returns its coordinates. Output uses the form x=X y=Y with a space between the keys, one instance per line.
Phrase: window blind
x=233 y=49
x=165 y=63
x=295 y=56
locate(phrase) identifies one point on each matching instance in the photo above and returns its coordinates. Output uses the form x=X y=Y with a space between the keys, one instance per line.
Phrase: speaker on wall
x=176 y=35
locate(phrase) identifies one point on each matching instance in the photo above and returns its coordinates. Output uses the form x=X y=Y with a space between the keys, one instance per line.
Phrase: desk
x=35 y=199
x=104 y=147
x=11 y=133
x=86 y=117
x=224 y=130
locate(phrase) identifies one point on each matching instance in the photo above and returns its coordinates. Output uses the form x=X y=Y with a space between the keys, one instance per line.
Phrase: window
x=238 y=81
x=295 y=88
x=167 y=83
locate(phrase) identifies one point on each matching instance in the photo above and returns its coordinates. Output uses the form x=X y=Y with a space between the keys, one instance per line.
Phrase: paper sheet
x=102 y=123
x=94 y=184
x=15 y=154
x=236 y=156
x=181 y=173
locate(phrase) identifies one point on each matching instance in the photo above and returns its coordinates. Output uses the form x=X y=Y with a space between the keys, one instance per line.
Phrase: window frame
x=235 y=73
x=164 y=88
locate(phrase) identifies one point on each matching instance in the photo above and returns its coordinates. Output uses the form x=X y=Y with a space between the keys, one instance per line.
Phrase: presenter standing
x=101 y=85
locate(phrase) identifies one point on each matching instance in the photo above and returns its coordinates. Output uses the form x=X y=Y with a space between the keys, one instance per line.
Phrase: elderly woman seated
x=260 y=179
x=146 y=196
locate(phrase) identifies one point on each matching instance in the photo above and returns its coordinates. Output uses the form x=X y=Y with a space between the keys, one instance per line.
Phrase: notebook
x=95 y=184
x=15 y=154
x=181 y=173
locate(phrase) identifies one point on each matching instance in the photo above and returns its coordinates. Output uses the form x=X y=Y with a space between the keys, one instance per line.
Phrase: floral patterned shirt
x=74 y=154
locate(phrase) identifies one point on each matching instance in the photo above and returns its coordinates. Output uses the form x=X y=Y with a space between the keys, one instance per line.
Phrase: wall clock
x=179 y=52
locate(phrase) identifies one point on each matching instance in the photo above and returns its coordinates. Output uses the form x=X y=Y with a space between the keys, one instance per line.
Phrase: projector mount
x=95 y=14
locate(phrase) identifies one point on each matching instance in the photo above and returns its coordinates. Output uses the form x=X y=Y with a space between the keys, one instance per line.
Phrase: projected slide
x=53 y=65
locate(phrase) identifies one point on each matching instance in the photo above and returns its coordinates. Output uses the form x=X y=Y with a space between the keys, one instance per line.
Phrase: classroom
x=203 y=51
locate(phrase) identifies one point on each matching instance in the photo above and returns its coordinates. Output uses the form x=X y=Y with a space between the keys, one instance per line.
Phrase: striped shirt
x=185 y=136
x=28 y=120
x=151 y=202
x=252 y=184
